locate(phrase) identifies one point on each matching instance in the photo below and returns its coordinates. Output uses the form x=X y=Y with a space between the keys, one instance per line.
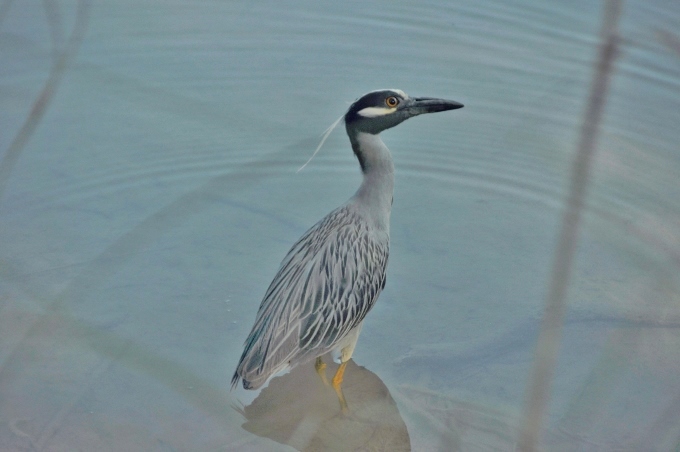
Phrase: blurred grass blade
x=42 y=102
x=547 y=347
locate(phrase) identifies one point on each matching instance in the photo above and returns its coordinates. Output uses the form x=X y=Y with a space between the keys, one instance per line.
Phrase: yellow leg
x=320 y=367
x=337 y=382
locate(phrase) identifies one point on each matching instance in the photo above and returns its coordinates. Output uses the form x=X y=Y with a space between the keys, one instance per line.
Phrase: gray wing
x=325 y=286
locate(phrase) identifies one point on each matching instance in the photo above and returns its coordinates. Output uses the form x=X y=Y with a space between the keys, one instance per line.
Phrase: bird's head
x=379 y=110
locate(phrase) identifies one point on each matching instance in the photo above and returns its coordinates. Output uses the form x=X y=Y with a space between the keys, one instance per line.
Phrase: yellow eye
x=391 y=101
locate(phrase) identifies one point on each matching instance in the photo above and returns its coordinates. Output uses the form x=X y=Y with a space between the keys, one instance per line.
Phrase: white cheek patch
x=372 y=112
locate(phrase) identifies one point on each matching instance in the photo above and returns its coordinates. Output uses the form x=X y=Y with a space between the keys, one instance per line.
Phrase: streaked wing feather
x=325 y=286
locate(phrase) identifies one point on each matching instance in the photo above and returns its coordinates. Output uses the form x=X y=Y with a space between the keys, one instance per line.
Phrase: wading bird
x=332 y=276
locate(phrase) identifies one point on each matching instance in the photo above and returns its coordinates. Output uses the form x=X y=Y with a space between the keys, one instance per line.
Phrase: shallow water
x=149 y=208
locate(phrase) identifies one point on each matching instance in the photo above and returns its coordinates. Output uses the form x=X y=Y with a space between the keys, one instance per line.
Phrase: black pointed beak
x=419 y=105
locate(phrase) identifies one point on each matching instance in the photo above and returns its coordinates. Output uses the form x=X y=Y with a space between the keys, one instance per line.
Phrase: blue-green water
x=147 y=212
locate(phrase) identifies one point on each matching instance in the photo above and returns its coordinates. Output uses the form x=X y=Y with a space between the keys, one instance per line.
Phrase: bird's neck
x=375 y=192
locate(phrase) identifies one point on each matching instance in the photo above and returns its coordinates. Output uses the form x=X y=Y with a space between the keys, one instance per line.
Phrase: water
x=149 y=209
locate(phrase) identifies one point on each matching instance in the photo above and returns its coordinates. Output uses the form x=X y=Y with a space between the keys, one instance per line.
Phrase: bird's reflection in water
x=298 y=410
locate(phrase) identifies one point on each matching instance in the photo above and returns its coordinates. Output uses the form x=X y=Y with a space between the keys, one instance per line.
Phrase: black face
x=380 y=110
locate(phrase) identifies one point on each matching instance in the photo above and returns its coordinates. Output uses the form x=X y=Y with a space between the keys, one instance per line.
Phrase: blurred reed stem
x=61 y=64
x=548 y=344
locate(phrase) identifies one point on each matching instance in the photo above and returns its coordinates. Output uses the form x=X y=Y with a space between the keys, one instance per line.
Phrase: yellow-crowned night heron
x=332 y=276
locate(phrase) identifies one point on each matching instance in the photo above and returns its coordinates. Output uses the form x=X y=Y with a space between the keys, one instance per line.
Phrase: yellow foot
x=320 y=367
x=337 y=383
